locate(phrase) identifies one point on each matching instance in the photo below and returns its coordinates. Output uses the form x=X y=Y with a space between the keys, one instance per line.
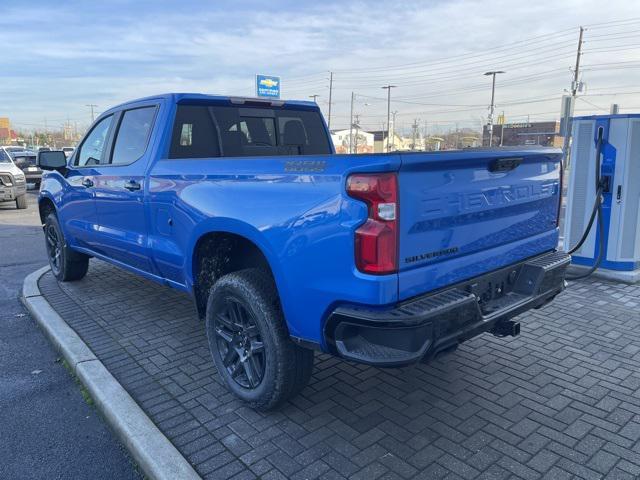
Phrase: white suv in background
x=13 y=184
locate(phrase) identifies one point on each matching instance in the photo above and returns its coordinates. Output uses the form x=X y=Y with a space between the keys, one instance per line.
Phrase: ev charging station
x=604 y=169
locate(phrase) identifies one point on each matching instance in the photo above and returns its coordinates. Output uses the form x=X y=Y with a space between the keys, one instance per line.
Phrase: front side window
x=133 y=135
x=93 y=149
x=4 y=156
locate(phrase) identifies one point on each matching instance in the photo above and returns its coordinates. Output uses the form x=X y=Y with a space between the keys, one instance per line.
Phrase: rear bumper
x=32 y=177
x=420 y=328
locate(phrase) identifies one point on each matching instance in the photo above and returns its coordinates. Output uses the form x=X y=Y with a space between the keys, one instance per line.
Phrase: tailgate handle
x=504 y=164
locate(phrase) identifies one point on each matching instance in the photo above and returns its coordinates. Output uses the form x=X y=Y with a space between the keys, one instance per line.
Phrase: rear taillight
x=377 y=239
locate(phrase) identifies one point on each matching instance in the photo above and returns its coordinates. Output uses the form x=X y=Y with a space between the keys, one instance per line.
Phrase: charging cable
x=596 y=211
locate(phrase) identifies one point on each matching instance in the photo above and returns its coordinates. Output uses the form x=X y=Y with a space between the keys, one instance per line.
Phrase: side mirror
x=52 y=160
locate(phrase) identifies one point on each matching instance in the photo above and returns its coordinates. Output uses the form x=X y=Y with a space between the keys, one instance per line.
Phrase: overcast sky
x=60 y=56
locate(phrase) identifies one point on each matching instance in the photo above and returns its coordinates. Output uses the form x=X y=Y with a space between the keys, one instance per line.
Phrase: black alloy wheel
x=54 y=248
x=66 y=264
x=240 y=344
x=249 y=341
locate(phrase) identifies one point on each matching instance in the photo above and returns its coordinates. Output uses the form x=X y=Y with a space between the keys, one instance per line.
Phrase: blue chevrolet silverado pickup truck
x=287 y=248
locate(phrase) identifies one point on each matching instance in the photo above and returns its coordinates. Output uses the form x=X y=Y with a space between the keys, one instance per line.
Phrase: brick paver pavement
x=560 y=401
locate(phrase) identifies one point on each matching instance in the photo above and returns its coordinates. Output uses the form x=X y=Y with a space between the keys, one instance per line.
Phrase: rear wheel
x=21 y=202
x=249 y=343
x=66 y=265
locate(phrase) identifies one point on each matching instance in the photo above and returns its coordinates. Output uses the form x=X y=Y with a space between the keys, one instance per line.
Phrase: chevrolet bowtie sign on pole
x=267 y=86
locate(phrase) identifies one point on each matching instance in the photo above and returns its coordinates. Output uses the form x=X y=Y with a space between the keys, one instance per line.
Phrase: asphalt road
x=47 y=429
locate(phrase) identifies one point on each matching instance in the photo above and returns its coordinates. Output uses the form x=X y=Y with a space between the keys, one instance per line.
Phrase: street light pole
x=351 y=124
x=330 y=95
x=388 y=89
x=315 y=98
x=492 y=106
x=91 y=106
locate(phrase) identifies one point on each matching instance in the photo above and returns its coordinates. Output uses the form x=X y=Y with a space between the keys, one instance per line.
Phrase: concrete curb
x=155 y=454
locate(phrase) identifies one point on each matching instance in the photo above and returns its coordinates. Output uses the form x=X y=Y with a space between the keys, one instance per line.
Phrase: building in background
x=380 y=141
x=362 y=141
x=546 y=134
x=5 y=131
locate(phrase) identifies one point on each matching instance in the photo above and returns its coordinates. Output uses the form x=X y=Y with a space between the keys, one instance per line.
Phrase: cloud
x=65 y=56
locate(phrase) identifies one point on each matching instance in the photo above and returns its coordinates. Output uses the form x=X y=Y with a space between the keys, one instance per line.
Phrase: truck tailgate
x=466 y=213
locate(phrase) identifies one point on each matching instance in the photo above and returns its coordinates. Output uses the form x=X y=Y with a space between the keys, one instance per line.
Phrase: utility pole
x=356 y=121
x=425 y=135
x=457 y=135
x=576 y=73
x=569 y=103
x=351 y=125
x=492 y=106
x=315 y=98
x=388 y=89
x=330 y=94
x=414 y=133
x=91 y=106
x=393 y=130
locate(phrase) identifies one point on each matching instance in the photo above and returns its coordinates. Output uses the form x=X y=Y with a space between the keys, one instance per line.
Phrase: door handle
x=132 y=185
x=87 y=182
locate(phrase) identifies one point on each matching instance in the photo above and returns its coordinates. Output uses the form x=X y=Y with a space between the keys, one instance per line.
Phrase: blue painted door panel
x=122 y=224
x=78 y=210
x=458 y=219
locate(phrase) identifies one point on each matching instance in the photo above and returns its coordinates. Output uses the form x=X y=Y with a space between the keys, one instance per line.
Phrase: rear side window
x=133 y=135
x=202 y=131
x=194 y=134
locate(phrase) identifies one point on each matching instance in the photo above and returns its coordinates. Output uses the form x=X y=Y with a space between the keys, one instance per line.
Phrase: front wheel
x=21 y=202
x=66 y=265
x=249 y=342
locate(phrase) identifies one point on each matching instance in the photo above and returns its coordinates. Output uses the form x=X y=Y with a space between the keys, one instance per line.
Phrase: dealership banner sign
x=267 y=86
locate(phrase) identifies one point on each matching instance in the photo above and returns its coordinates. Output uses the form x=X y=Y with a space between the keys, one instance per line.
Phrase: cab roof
x=186 y=98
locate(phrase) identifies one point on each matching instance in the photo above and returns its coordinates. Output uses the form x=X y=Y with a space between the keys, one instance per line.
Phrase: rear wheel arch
x=218 y=253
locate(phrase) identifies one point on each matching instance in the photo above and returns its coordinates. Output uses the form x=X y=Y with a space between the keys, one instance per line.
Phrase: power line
x=612 y=22
x=591 y=103
x=448 y=59
x=458 y=74
x=456 y=66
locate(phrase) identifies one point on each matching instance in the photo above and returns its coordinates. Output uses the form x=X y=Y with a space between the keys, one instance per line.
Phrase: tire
x=21 y=202
x=66 y=265
x=244 y=320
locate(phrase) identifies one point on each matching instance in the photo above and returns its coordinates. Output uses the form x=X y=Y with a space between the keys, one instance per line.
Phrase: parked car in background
x=13 y=185
x=68 y=151
x=25 y=160
x=286 y=247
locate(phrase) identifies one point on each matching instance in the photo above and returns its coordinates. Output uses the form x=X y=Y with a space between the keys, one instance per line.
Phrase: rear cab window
x=205 y=131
